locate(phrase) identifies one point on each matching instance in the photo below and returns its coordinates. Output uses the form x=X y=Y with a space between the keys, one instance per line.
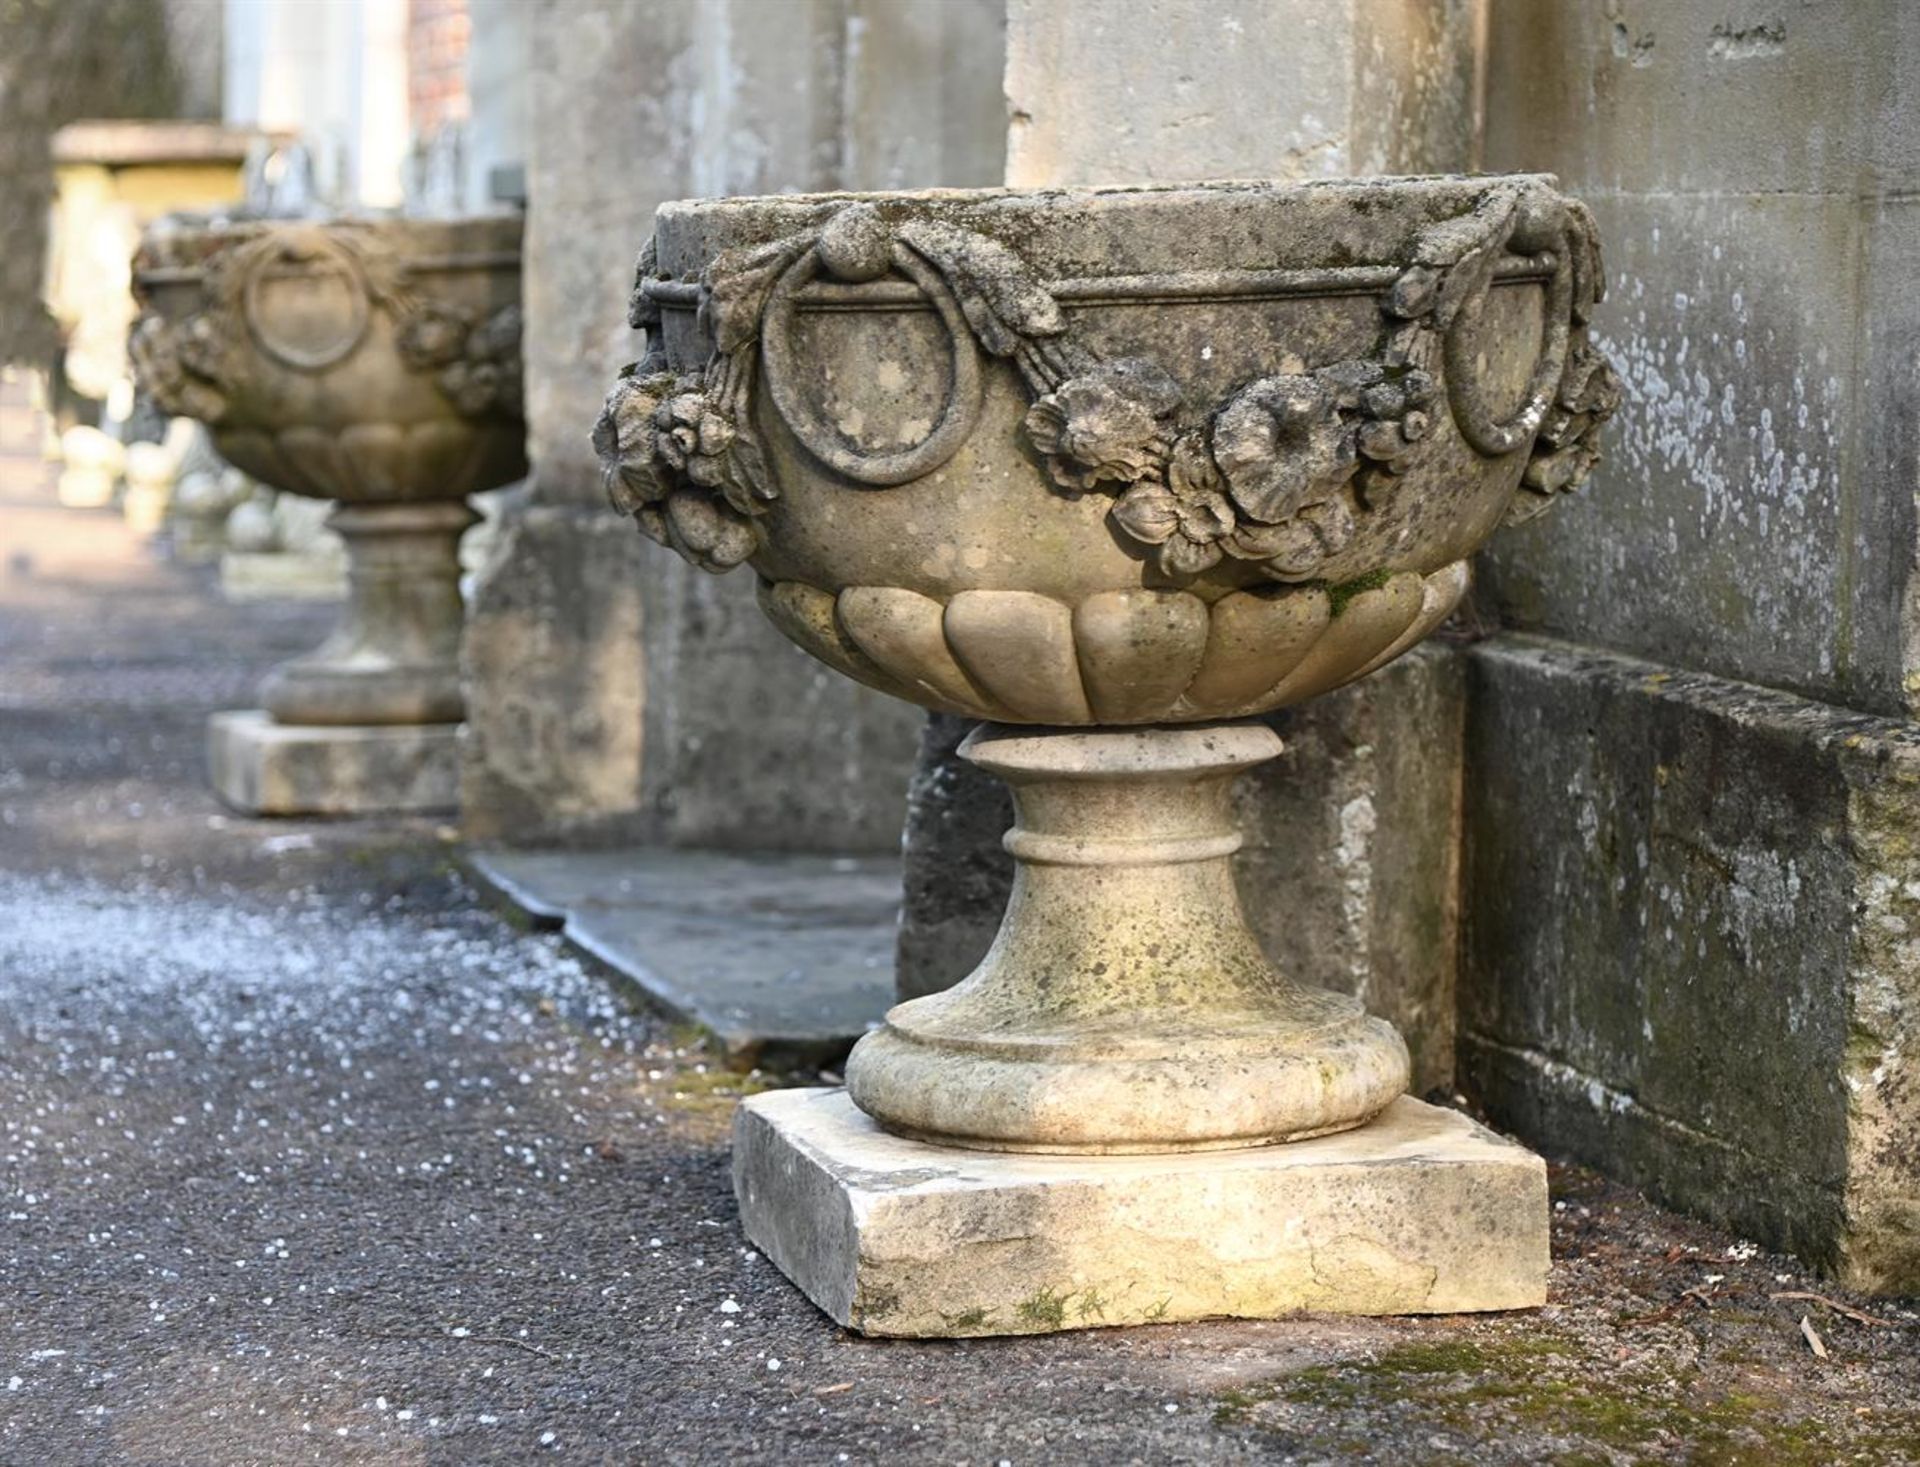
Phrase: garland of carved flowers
x=191 y=365
x=1274 y=475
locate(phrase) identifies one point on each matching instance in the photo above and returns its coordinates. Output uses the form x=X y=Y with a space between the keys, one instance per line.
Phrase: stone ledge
x=267 y=768
x=1421 y=1212
x=1690 y=955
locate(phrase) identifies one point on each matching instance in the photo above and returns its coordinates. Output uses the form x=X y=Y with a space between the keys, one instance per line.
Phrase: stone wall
x=1753 y=172
x=1177 y=90
x=1692 y=952
x=1689 y=950
x=615 y=692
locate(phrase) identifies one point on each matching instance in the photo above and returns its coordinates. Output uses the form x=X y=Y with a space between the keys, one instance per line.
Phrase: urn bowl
x=1109 y=456
x=366 y=361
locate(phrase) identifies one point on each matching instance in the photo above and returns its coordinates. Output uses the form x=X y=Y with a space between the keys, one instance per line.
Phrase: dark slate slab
x=781 y=956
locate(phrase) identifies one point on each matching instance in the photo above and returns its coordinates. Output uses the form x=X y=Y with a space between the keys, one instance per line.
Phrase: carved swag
x=192 y=365
x=1277 y=474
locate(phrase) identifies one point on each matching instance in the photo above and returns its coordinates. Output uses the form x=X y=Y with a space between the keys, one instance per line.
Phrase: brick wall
x=437 y=33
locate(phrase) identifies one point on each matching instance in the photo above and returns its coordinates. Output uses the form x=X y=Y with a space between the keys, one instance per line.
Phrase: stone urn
x=375 y=364
x=1114 y=471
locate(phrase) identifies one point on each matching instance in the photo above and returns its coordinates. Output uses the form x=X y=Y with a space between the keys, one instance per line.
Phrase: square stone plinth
x=1420 y=1212
x=268 y=768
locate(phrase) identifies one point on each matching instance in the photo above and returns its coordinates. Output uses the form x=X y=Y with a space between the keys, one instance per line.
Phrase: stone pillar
x=614 y=692
x=1359 y=815
x=1689 y=849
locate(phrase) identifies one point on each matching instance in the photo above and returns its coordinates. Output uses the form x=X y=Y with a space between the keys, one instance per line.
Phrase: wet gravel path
x=306 y=1155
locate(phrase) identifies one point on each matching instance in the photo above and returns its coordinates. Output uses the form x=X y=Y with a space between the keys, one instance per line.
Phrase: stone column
x=1691 y=962
x=613 y=692
x=1363 y=808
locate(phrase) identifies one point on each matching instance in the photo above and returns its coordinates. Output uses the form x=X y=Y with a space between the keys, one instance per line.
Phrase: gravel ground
x=308 y=1156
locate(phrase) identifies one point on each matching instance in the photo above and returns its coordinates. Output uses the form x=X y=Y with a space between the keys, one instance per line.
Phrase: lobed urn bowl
x=1110 y=457
x=371 y=362
x=1114 y=470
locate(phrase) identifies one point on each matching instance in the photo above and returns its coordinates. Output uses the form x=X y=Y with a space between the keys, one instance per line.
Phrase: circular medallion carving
x=307 y=304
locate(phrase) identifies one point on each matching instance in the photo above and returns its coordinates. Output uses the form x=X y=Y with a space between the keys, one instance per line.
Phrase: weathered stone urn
x=375 y=364
x=1113 y=471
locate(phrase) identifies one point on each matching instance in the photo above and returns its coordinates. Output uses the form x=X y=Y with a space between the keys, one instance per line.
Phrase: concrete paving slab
x=786 y=957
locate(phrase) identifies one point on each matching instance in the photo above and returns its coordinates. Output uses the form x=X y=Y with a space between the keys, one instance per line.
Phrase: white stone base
x=267 y=768
x=1420 y=1212
x=283 y=575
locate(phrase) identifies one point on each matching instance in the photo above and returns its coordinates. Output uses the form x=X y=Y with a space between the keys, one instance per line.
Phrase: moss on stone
x=1044 y=1308
x=1546 y=1383
x=1338 y=596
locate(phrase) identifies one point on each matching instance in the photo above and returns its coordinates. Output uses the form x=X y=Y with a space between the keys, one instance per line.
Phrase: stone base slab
x=267 y=768
x=274 y=575
x=1420 y=1212
x=782 y=957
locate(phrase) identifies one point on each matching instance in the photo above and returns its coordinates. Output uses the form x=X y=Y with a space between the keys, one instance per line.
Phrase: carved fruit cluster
x=476 y=366
x=1568 y=447
x=674 y=457
x=182 y=367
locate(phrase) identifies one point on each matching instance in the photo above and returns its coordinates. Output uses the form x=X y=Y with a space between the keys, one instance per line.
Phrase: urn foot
x=395 y=657
x=1125 y=1005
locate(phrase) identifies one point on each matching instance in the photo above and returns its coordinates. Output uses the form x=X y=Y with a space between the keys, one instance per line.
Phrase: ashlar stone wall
x=1692 y=955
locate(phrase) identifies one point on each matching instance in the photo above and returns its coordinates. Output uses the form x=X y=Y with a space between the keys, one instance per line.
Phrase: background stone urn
x=376 y=364
x=1111 y=470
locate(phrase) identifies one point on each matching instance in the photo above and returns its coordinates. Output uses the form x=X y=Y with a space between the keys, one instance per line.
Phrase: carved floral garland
x=1274 y=475
x=190 y=365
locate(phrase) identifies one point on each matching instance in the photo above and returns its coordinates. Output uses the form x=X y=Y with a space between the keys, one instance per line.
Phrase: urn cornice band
x=1108 y=290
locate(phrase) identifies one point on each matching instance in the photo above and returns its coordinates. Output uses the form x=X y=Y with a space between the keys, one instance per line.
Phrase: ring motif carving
x=315 y=253
x=958 y=416
x=1279 y=474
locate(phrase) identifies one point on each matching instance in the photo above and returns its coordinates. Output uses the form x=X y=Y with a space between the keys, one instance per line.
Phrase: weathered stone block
x=553 y=678
x=267 y=768
x=1693 y=944
x=656 y=703
x=750 y=743
x=1350 y=874
x=1753 y=174
x=1420 y=1212
x=1740 y=523
x=1699 y=96
x=1104 y=93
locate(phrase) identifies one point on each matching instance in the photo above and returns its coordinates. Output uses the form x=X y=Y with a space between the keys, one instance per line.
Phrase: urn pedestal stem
x=1125 y=1006
x=395 y=656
